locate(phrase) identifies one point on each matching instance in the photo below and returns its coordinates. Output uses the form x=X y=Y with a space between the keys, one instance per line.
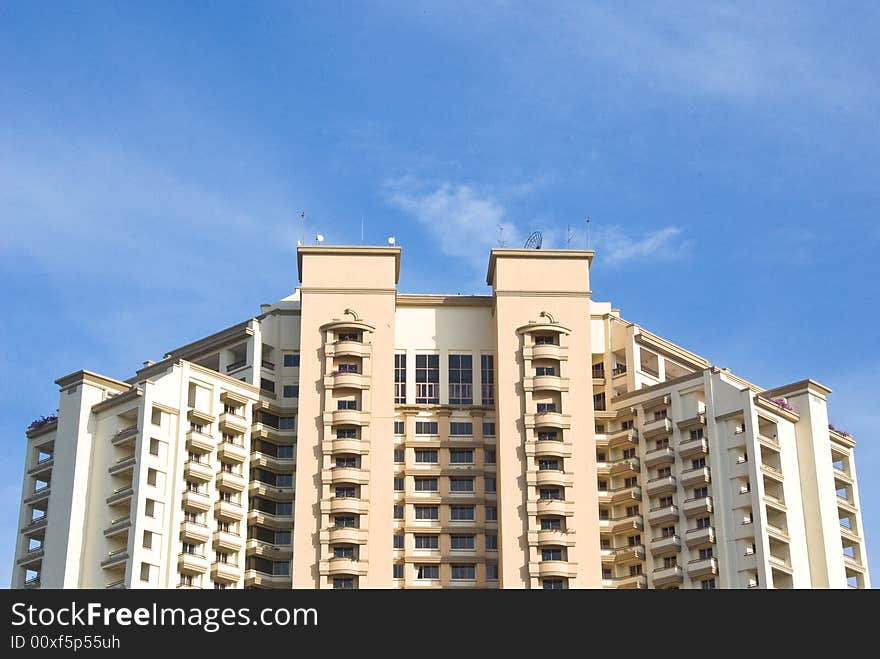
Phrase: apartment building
x=349 y=436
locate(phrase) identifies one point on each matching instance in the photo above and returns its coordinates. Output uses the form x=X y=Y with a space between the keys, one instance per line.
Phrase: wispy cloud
x=615 y=247
x=463 y=222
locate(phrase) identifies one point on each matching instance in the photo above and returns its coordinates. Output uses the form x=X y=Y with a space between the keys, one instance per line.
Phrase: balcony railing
x=236 y=365
x=267 y=364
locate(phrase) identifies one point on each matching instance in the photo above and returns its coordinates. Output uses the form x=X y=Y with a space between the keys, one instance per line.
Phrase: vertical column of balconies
x=123 y=452
x=37 y=490
x=548 y=448
x=198 y=473
x=345 y=474
x=846 y=490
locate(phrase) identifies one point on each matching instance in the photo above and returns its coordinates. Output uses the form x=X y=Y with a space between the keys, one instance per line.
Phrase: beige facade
x=350 y=436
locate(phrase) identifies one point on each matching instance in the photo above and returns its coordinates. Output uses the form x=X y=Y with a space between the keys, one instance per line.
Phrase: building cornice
x=125 y=397
x=348 y=250
x=347 y=291
x=535 y=253
x=414 y=300
x=91 y=378
x=45 y=429
x=240 y=331
x=809 y=385
x=670 y=349
x=650 y=392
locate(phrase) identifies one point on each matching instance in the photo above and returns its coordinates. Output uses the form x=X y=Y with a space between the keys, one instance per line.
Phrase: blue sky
x=155 y=158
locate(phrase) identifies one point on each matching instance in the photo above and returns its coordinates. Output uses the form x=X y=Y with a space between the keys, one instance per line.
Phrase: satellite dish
x=391 y=240
x=319 y=238
x=534 y=241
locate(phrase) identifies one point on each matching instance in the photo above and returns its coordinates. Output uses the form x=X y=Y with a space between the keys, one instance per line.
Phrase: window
x=696 y=434
x=398 y=541
x=599 y=370
x=461 y=484
x=399 y=455
x=603 y=486
x=188 y=548
x=545 y=370
x=343 y=551
x=632 y=510
x=626 y=425
x=706 y=553
x=344 y=522
x=426 y=484
x=460 y=428
x=426 y=456
x=599 y=402
x=492 y=571
x=551 y=524
x=346 y=433
x=544 y=408
x=463 y=542
x=662 y=443
x=400 y=378
x=461 y=380
x=550 y=493
x=701 y=492
x=490 y=484
x=398 y=483
x=397 y=571
x=145 y=571
x=634 y=540
x=427 y=542
x=629 y=453
x=427 y=572
x=347 y=368
x=551 y=554
x=154 y=447
x=487 y=379
x=489 y=456
x=491 y=541
x=661 y=414
x=464 y=572
x=346 y=405
x=343 y=583
x=491 y=513
x=398 y=427
x=267 y=385
x=547 y=436
x=427 y=512
x=604 y=514
x=459 y=456
x=426 y=428
x=148 y=540
x=548 y=465
x=285 y=452
x=427 y=379
x=698 y=463
x=398 y=512
x=670 y=561
x=346 y=462
x=555 y=584
x=152 y=476
x=349 y=336
x=461 y=513
x=707 y=584
x=631 y=481
x=664 y=502
x=186 y=580
x=667 y=532
x=291 y=359
x=545 y=339
x=287 y=423
x=635 y=570
x=600 y=428
x=664 y=472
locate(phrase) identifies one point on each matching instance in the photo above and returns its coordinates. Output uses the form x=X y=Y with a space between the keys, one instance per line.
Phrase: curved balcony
x=201 y=472
x=347 y=417
x=336 y=475
x=197 y=501
x=621 y=524
x=346 y=535
x=270 y=520
x=260 y=459
x=257 y=579
x=226 y=572
x=230 y=482
x=552 y=537
x=667 y=576
x=698 y=476
x=228 y=511
x=559 y=507
x=626 y=466
x=659 y=456
x=192 y=563
x=347 y=446
x=341 y=380
x=268 y=550
x=232 y=452
x=660 y=485
x=549 y=448
x=273 y=492
x=352 y=505
x=337 y=566
x=691 y=447
x=548 y=420
x=226 y=541
x=663 y=514
x=630 y=582
x=234 y=423
x=194 y=532
x=551 y=477
x=546 y=569
x=702 y=567
x=347 y=349
x=546 y=351
x=545 y=383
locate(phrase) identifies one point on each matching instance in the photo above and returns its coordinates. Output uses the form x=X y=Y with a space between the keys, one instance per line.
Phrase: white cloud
x=615 y=247
x=463 y=222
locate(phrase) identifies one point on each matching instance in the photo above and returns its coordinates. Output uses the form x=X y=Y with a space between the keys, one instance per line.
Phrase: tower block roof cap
x=348 y=251
x=495 y=254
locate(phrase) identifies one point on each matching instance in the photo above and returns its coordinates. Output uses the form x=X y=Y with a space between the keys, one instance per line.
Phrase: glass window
x=398 y=427
x=488 y=428
x=489 y=456
x=427 y=542
x=398 y=541
x=428 y=572
x=464 y=572
x=400 y=378
x=462 y=542
x=461 y=484
x=397 y=571
x=427 y=512
x=426 y=484
x=426 y=427
x=398 y=483
x=461 y=456
x=398 y=455
x=461 y=513
x=427 y=379
x=291 y=359
x=461 y=380
x=426 y=456
x=461 y=428
x=398 y=512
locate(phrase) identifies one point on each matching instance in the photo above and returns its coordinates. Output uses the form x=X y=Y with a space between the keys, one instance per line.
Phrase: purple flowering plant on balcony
x=42 y=421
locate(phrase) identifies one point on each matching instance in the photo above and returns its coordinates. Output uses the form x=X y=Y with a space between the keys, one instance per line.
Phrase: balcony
x=843 y=503
x=227 y=572
x=353 y=446
x=125 y=437
x=260 y=459
x=697 y=506
x=548 y=420
x=45 y=465
x=123 y=465
x=345 y=380
x=659 y=456
x=698 y=476
x=337 y=475
x=118 y=526
x=117 y=584
x=702 y=567
x=338 y=505
x=545 y=351
x=237 y=364
x=255 y=578
x=548 y=448
x=660 y=484
x=774 y=502
x=770 y=442
x=31 y=557
x=629 y=553
x=667 y=576
x=630 y=466
x=554 y=537
x=664 y=545
x=40 y=523
x=192 y=563
x=194 y=532
x=690 y=447
x=270 y=520
x=545 y=383
x=551 y=569
x=233 y=423
x=120 y=495
x=777 y=532
x=629 y=494
x=782 y=564
x=344 y=535
x=115 y=558
x=228 y=481
x=232 y=452
x=198 y=501
x=621 y=524
x=559 y=507
x=550 y=477
x=657 y=428
x=199 y=442
x=699 y=419
x=772 y=472
x=631 y=582
x=228 y=511
x=282 y=493
x=663 y=514
x=336 y=566
x=699 y=537
x=200 y=472
x=347 y=417
x=268 y=550
x=226 y=541
x=347 y=349
x=623 y=438
x=33 y=582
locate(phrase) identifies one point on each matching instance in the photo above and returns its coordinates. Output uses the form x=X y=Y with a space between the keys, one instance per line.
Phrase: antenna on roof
x=569 y=234
x=588 y=232
x=501 y=242
x=534 y=241
x=362 y=231
x=302 y=238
